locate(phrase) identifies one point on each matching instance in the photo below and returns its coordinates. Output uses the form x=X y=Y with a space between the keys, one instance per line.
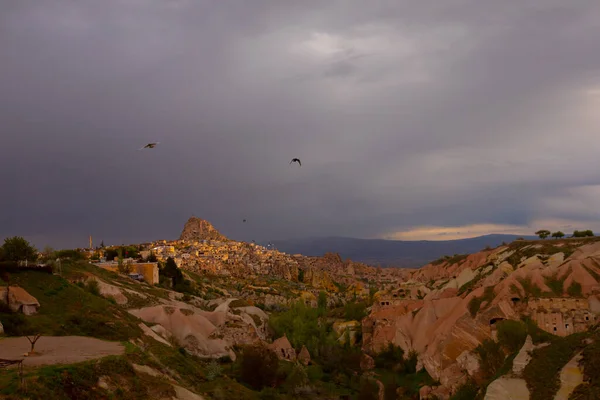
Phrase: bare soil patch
x=58 y=349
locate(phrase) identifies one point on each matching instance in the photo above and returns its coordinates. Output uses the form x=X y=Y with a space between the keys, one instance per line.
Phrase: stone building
x=561 y=316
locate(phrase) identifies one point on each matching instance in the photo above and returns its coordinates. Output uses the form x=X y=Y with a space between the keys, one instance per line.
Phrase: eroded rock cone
x=198 y=229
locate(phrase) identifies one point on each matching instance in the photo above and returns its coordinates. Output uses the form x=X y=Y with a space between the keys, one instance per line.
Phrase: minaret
x=91 y=242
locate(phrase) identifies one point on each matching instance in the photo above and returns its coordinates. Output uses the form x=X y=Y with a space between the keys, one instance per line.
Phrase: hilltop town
x=201 y=249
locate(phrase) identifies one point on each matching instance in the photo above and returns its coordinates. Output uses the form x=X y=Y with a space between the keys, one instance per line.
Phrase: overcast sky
x=413 y=119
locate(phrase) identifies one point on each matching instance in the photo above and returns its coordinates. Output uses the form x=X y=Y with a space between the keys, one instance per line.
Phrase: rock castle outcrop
x=197 y=229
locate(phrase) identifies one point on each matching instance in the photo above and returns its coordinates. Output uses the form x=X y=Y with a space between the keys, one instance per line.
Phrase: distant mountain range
x=391 y=253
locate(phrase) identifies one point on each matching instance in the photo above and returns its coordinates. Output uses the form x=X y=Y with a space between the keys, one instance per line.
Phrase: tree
x=32 y=340
x=123 y=268
x=172 y=271
x=543 y=234
x=5 y=276
x=102 y=244
x=368 y=389
x=259 y=367
x=558 y=235
x=18 y=249
x=586 y=233
x=151 y=257
x=322 y=301
x=48 y=253
x=300 y=275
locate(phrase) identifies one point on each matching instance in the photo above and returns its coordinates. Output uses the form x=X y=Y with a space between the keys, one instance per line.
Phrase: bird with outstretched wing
x=296 y=160
x=150 y=146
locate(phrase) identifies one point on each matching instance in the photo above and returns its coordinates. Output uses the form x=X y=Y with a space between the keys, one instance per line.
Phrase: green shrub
x=300 y=275
x=538 y=335
x=542 y=372
x=258 y=367
x=555 y=284
x=355 y=311
x=390 y=358
x=475 y=302
x=213 y=370
x=410 y=364
x=368 y=390
x=467 y=391
x=574 y=290
x=238 y=303
x=269 y=393
x=93 y=287
x=591 y=373
x=295 y=379
x=530 y=288
x=491 y=357
x=511 y=334
x=15 y=324
x=314 y=372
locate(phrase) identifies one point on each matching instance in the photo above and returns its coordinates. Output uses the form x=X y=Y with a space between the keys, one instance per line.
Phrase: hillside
x=233 y=320
x=391 y=253
x=468 y=318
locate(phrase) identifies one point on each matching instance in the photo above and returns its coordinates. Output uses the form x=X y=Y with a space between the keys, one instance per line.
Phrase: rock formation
x=304 y=356
x=20 y=300
x=507 y=389
x=283 y=348
x=570 y=377
x=197 y=229
x=446 y=309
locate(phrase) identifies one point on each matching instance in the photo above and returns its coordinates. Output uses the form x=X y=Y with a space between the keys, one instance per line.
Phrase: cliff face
x=445 y=310
x=198 y=229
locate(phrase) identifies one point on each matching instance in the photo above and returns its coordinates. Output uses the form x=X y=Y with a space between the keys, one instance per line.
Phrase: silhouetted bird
x=296 y=160
x=150 y=146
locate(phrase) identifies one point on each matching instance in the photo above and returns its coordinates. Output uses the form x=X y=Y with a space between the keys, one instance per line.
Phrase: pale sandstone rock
x=184 y=394
x=283 y=348
x=339 y=327
x=487 y=269
x=149 y=332
x=507 y=389
x=160 y=330
x=367 y=362
x=144 y=369
x=197 y=229
x=570 y=377
x=452 y=284
x=304 y=356
x=555 y=260
x=424 y=392
x=466 y=276
x=469 y=362
x=523 y=357
x=440 y=392
x=381 y=391
x=107 y=290
x=20 y=300
x=594 y=304
x=103 y=382
x=192 y=330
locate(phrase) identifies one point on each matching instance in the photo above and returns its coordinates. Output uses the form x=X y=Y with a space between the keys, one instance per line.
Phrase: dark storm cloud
x=404 y=114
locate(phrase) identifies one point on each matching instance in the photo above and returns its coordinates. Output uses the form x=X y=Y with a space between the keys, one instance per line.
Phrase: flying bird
x=296 y=160
x=150 y=146
x=244 y=220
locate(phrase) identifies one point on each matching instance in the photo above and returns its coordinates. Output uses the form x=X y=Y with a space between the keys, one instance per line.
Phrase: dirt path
x=58 y=349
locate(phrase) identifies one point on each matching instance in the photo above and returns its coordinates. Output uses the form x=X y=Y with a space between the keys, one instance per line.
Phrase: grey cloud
x=403 y=113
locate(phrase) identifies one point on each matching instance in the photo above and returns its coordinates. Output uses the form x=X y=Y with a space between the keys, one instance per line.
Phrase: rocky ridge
x=446 y=309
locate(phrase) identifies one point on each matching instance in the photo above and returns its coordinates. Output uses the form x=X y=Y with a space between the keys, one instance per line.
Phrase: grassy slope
x=68 y=309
